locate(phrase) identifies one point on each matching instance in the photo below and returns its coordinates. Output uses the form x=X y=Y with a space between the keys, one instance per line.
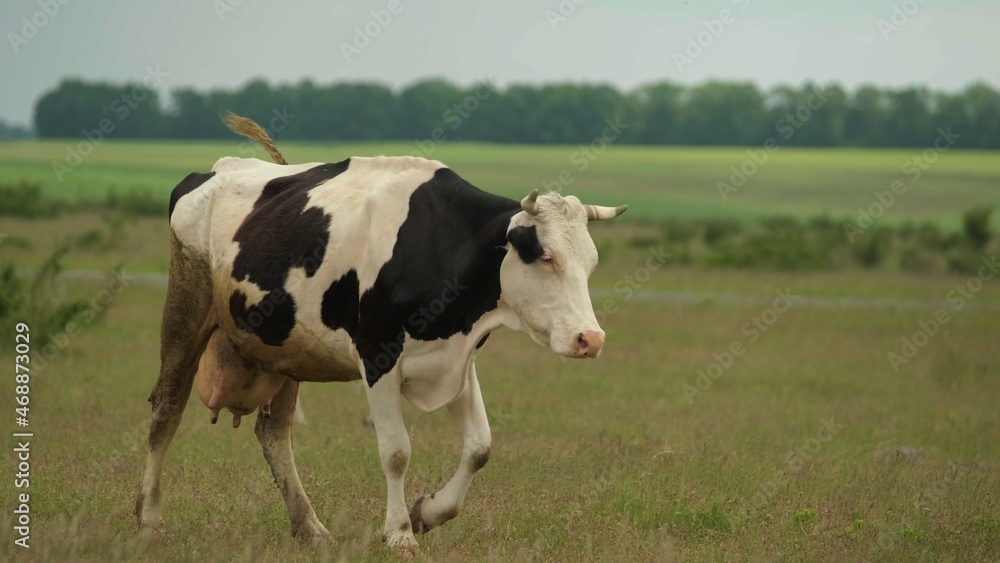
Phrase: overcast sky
x=942 y=43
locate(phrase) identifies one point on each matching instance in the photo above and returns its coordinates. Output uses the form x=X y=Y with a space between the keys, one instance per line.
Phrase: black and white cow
x=390 y=269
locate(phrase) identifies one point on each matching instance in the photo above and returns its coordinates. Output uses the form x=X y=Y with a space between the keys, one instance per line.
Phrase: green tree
x=867 y=118
x=422 y=107
x=713 y=113
x=724 y=113
x=909 y=119
x=656 y=111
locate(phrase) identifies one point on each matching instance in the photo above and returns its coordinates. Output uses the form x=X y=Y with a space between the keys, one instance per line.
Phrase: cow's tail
x=249 y=129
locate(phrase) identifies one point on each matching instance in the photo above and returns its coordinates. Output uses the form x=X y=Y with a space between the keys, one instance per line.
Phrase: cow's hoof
x=404 y=545
x=417 y=523
x=427 y=514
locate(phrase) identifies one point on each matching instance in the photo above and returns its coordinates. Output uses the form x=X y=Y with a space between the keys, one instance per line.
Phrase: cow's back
x=279 y=237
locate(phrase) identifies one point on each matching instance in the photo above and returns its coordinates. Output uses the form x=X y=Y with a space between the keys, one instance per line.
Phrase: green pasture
x=808 y=446
x=603 y=460
x=656 y=182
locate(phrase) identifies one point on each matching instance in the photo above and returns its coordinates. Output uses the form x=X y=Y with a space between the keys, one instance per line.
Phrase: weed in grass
x=804 y=515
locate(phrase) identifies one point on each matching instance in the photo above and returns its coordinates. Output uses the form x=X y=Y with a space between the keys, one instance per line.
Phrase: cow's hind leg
x=469 y=415
x=275 y=434
x=185 y=330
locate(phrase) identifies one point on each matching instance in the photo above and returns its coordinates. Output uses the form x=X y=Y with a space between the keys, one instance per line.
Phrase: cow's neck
x=444 y=274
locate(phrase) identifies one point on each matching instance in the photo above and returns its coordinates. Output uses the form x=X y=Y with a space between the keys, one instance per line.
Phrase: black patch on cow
x=279 y=234
x=525 y=242
x=190 y=183
x=340 y=303
x=270 y=319
x=444 y=273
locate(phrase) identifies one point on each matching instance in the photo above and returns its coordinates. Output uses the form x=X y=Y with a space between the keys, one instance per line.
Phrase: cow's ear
x=525 y=242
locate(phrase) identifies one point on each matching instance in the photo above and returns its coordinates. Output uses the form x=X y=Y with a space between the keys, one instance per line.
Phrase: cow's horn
x=530 y=204
x=601 y=213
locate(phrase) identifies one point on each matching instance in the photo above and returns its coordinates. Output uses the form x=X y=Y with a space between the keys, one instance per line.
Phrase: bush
x=826 y=230
x=678 y=255
x=25 y=199
x=15 y=241
x=779 y=243
x=781 y=224
x=965 y=261
x=929 y=236
x=871 y=249
x=771 y=250
x=976 y=226
x=644 y=242
x=137 y=201
x=38 y=301
x=678 y=230
x=916 y=260
x=12 y=293
x=719 y=229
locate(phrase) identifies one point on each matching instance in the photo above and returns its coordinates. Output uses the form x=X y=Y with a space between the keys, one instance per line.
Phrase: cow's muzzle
x=588 y=344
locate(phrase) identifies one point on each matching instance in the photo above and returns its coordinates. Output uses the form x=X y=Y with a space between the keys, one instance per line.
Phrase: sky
x=943 y=44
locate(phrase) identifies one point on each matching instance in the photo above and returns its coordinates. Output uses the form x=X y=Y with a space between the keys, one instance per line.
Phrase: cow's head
x=543 y=278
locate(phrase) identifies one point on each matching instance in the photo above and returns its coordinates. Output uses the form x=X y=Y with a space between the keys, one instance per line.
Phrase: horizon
x=397 y=42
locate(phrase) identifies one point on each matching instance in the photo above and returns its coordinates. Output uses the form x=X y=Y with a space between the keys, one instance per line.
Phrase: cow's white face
x=543 y=278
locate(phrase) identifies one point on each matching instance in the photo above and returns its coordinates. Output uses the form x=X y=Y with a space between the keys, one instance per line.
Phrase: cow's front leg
x=394 y=451
x=275 y=435
x=469 y=415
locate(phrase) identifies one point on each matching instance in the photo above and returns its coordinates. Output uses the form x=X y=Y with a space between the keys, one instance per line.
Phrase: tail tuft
x=249 y=129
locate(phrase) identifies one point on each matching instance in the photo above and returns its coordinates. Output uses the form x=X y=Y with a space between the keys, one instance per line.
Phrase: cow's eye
x=547 y=259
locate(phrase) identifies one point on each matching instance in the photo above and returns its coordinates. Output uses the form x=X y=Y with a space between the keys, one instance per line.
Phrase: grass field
x=657 y=182
x=603 y=460
x=790 y=454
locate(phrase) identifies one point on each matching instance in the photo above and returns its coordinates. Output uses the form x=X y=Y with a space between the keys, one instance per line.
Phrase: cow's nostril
x=589 y=343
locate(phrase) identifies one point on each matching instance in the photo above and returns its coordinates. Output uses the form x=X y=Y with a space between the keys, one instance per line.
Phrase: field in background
x=657 y=182
x=142 y=248
x=791 y=453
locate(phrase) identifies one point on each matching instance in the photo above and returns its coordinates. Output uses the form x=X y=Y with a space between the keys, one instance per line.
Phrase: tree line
x=434 y=110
